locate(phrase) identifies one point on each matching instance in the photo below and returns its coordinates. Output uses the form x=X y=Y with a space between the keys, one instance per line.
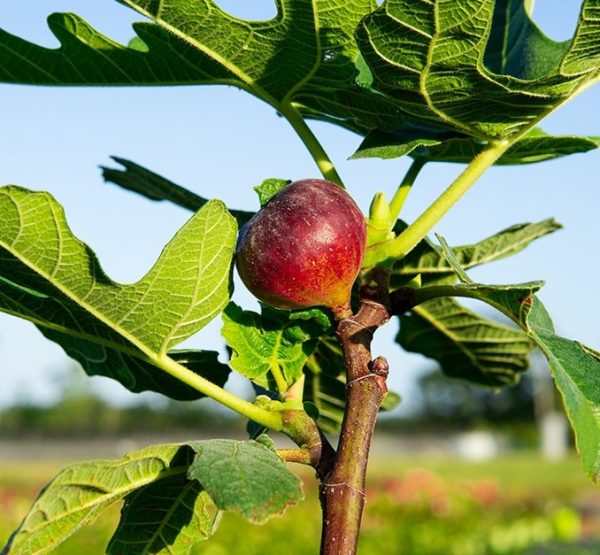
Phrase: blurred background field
x=514 y=504
x=469 y=474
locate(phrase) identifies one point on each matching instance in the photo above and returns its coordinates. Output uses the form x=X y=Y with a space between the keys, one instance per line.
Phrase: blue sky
x=220 y=142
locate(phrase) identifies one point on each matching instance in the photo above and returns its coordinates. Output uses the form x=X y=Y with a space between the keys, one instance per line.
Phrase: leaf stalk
x=401 y=194
x=278 y=377
x=324 y=163
x=272 y=420
x=405 y=242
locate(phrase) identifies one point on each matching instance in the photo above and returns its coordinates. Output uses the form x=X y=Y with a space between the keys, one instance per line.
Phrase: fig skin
x=304 y=248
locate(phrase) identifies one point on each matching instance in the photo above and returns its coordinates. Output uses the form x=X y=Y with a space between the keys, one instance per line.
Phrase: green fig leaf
x=246 y=477
x=465 y=345
x=459 y=66
x=260 y=346
x=144 y=182
x=79 y=493
x=424 y=69
x=574 y=366
x=534 y=146
x=49 y=277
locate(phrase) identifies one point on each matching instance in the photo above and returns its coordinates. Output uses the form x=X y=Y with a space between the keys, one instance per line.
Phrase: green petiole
x=261 y=416
x=400 y=246
x=401 y=194
x=311 y=142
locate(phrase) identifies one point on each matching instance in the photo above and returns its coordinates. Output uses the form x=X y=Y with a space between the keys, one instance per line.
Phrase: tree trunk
x=343 y=487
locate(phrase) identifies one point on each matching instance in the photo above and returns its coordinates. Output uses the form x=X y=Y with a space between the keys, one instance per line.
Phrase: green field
x=514 y=505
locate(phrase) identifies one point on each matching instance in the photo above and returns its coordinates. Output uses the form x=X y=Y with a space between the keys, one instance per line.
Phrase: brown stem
x=342 y=488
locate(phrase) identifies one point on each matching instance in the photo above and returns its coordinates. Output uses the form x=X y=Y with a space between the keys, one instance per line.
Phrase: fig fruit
x=304 y=248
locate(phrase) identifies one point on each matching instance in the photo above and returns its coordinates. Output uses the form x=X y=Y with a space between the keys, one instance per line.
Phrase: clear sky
x=220 y=142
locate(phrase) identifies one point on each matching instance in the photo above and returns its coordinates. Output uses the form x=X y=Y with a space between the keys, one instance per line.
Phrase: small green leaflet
x=103 y=324
x=290 y=343
x=307 y=332
x=260 y=345
x=447 y=63
x=246 y=477
x=269 y=188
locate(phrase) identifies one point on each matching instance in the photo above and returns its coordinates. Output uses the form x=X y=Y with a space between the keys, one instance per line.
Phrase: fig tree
x=304 y=248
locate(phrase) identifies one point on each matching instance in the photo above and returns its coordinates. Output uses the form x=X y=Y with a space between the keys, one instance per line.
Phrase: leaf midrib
x=158 y=533
x=245 y=80
x=146 y=350
x=444 y=330
x=491 y=257
x=107 y=499
x=80 y=335
x=425 y=73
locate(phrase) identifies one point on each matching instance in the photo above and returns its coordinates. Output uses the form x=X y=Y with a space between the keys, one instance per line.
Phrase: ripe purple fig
x=304 y=248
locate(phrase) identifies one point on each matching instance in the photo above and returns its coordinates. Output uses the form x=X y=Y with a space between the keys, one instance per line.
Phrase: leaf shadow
x=155 y=514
